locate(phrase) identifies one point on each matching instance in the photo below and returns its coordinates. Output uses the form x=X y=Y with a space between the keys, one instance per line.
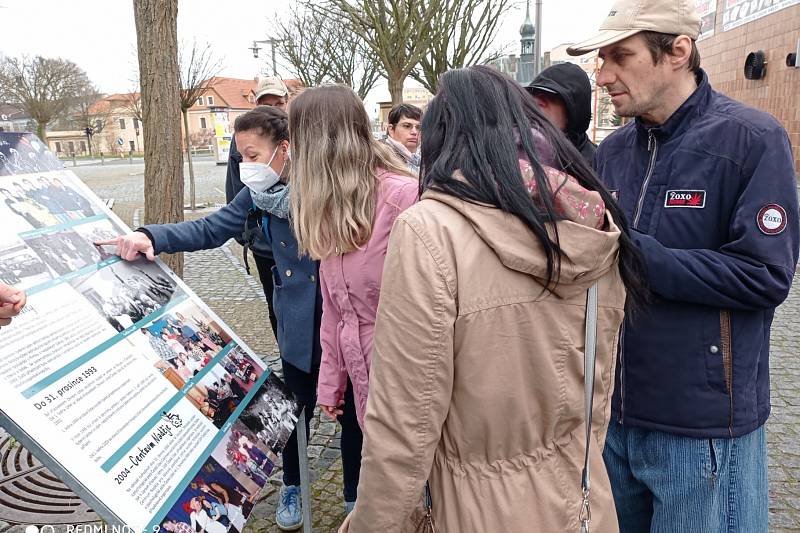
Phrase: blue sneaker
x=289 y=514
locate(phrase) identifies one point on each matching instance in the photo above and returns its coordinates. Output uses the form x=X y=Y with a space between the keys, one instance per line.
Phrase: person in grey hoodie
x=564 y=94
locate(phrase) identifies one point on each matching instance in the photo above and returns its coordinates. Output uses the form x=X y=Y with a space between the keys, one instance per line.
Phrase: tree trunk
x=40 y=131
x=157 y=43
x=396 y=89
x=192 y=198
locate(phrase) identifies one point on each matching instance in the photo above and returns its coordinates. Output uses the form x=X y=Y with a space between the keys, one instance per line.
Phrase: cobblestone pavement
x=783 y=426
x=219 y=279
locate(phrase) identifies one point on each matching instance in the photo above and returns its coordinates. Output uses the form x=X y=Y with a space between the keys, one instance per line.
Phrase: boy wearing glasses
x=403 y=133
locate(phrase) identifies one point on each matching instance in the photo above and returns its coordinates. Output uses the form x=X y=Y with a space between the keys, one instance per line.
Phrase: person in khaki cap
x=708 y=186
x=272 y=91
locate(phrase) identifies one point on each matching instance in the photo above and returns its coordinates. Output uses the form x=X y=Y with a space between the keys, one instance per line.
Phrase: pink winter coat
x=351 y=284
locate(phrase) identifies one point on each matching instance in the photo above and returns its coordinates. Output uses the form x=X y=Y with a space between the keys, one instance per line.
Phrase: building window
x=133 y=145
x=209 y=100
x=202 y=123
x=122 y=123
x=58 y=147
x=199 y=100
x=71 y=147
x=136 y=123
x=83 y=146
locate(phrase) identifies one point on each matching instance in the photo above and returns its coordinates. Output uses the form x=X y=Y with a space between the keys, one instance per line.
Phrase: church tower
x=527 y=34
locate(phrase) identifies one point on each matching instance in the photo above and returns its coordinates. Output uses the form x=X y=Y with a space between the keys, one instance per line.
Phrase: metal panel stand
x=305 y=482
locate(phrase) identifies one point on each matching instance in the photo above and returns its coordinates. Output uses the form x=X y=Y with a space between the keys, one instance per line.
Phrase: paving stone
x=315 y=451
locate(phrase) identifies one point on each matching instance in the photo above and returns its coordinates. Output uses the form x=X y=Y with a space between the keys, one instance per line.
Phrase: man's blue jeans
x=665 y=483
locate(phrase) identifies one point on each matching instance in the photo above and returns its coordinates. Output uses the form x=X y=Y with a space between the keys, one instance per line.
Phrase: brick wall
x=778 y=93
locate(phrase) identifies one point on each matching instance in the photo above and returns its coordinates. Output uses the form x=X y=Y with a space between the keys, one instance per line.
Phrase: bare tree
x=198 y=68
x=159 y=75
x=318 y=52
x=45 y=87
x=133 y=99
x=462 y=33
x=90 y=111
x=353 y=63
x=397 y=32
x=306 y=45
x=133 y=104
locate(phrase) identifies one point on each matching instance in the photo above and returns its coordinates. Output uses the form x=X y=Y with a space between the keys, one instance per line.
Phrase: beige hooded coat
x=477 y=377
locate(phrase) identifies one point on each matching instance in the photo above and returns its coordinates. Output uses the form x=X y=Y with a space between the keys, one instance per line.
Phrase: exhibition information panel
x=116 y=374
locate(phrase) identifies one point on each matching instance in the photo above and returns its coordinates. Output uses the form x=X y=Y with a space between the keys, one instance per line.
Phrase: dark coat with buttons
x=712 y=199
x=298 y=303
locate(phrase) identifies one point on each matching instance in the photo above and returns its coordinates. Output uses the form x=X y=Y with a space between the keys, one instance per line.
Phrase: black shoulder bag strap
x=253 y=229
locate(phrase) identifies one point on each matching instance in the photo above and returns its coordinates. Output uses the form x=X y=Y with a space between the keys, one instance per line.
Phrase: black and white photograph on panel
x=272 y=414
x=20 y=267
x=64 y=251
x=125 y=293
x=99 y=230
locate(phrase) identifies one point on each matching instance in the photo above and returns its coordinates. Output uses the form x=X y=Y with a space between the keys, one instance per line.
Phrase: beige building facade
x=117 y=131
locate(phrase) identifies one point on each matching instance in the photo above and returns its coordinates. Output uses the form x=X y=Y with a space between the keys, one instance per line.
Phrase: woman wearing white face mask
x=256 y=175
x=262 y=137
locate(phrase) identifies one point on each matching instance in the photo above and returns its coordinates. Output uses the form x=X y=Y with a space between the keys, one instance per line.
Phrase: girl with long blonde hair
x=347 y=191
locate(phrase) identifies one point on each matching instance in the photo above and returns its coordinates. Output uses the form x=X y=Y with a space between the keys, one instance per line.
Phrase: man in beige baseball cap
x=708 y=187
x=272 y=91
x=629 y=17
x=635 y=30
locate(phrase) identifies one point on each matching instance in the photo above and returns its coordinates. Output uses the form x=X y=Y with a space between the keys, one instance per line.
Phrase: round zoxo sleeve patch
x=771 y=219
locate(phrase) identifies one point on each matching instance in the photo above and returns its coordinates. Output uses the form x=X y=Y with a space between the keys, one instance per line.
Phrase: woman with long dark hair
x=477 y=381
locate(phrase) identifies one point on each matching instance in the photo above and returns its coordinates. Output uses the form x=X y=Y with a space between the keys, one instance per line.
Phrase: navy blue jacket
x=298 y=302
x=711 y=196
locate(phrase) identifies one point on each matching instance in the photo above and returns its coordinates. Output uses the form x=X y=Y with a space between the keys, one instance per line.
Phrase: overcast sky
x=100 y=35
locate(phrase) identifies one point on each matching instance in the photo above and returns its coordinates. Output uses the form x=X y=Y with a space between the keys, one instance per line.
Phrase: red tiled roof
x=293 y=85
x=111 y=102
x=234 y=92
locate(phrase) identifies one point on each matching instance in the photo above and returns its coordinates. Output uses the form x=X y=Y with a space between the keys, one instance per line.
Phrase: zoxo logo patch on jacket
x=771 y=219
x=693 y=199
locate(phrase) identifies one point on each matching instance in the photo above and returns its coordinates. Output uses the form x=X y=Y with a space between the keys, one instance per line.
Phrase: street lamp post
x=272 y=42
